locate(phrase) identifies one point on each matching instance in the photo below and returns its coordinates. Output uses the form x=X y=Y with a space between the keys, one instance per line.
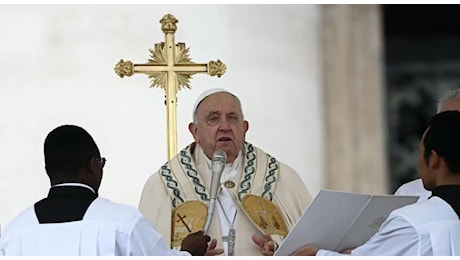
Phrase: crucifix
x=181 y=219
x=266 y=216
x=170 y=68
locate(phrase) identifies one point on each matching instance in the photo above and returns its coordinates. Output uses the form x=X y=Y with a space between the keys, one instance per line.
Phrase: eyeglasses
x=102 y=160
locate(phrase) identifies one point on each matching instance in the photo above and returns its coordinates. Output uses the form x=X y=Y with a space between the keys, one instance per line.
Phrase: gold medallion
x=187 y=218
x=229 y=184
x=264 y=214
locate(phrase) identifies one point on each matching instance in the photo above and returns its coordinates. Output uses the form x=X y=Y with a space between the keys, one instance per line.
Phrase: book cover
x=338 y=220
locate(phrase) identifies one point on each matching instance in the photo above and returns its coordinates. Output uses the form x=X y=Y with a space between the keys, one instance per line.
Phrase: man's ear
x=245 y=127
x=93 y=166
x=193 y=129
x=434 y=161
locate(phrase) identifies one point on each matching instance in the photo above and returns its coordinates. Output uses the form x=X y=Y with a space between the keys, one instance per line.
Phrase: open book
x=341 y=220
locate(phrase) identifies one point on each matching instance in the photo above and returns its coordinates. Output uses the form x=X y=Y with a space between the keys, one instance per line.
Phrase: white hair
x=452 y=94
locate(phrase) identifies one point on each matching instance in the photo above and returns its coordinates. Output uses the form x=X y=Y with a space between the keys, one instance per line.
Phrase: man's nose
x=224 y=125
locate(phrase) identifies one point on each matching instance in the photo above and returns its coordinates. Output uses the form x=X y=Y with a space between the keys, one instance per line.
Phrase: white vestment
x=414 y=188
x=426 y=228
x=107 y=228
x=286 y=190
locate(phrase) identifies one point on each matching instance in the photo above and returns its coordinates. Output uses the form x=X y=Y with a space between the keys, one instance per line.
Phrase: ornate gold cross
x=170 y=68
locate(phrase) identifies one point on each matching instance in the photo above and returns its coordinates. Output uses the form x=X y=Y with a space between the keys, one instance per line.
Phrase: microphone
x=219 y=159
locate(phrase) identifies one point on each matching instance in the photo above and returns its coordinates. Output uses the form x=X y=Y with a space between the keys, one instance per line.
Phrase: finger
x=267 y=253
x=214 y=252
x=270 y=246
x=269 y=249
x=268 y=237
x=258 y=240
x=297 y=252
x=213 y=244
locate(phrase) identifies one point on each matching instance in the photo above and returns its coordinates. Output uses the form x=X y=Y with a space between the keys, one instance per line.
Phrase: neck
x=448 y=179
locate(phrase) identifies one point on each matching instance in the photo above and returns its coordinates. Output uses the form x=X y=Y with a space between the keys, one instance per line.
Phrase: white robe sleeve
x=145 y=240
x=396 y=237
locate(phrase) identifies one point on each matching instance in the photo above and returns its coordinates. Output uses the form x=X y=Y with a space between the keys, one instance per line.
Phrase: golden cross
x=266 y=213
x=170 y=68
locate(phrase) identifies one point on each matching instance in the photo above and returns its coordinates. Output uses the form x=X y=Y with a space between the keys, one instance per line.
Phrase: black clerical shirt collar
x=450 y=194
x=65 y=202
x=74 y=184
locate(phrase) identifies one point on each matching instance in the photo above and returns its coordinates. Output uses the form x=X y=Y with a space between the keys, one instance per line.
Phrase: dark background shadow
x=422 y=57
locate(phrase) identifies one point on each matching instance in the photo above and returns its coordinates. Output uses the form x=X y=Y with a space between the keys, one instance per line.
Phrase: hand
x=266 y=244
x=211 y=251
x=306 y=250
x=346 y=251
x=196 y=243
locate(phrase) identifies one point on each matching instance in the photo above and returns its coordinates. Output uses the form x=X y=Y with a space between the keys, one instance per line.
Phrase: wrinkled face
x=220 y=125
x=423 y=168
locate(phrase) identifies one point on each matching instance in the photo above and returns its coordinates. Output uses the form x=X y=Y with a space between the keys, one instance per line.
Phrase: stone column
x=354 y=97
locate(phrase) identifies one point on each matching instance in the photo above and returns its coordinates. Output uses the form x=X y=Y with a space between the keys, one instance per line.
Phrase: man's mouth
x=224 y=139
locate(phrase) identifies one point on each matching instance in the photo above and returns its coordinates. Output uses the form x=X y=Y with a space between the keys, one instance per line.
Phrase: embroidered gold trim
x=264 y=214
x=188 y=217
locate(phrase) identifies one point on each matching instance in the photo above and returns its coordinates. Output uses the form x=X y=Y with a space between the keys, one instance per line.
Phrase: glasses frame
x=103 y=160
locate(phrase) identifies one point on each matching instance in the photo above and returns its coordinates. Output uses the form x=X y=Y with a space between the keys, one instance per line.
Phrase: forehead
x=453 y=104
x=219 y=101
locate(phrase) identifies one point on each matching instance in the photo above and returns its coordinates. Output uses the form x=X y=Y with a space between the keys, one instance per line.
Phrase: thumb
x=258 y=240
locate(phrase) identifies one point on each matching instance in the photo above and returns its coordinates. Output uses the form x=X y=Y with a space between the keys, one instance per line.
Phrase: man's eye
x=233 y=119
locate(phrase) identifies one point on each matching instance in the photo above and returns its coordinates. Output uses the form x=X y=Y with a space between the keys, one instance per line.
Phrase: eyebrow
x=212 y=113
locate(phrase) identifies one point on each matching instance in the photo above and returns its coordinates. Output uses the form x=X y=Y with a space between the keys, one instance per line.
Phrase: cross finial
x=170 y=68
x=168 y=23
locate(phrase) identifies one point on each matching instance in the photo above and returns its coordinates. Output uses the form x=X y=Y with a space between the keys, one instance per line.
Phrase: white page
x=341 y=220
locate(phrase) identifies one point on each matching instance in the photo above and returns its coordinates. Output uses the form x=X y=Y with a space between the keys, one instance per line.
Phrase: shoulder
x=23 y=219
x=414 y=183
x=155 y=178
x=105 y=209
x=155 y=181
x=285 y=171
x=431 y=210
x=410 y=187
x=284 y=167
x=414 y=187
x=130 y=224
x=187 y=151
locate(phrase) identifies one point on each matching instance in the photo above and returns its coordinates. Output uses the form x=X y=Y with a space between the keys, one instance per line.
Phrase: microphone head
x=219 y=159
x=219 y=156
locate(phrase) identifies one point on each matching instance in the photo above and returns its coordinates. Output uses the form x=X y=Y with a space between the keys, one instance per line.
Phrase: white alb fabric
x=426 y=228
x=107 y=228
x=412 y=188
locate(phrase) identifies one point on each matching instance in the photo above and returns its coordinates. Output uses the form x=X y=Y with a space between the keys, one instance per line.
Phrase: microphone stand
x=219 y=160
